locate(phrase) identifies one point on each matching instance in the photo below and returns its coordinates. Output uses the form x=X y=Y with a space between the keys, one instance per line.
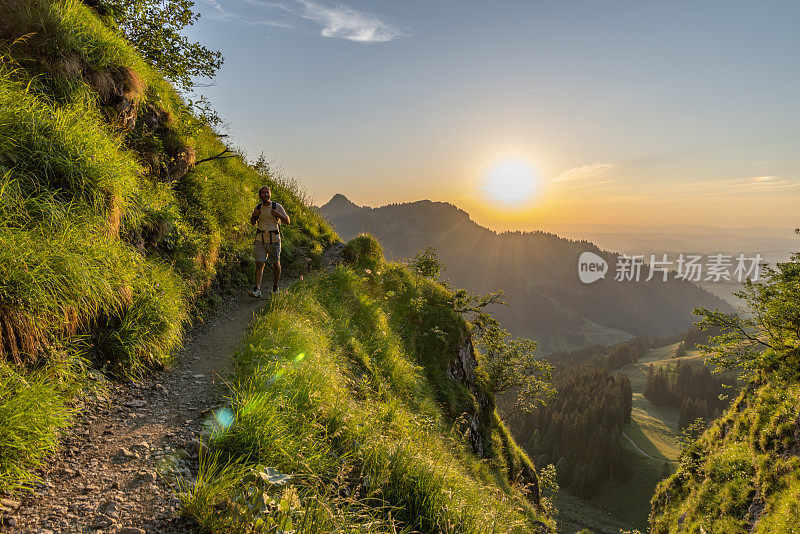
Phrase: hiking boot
x=275 y=289
x=255 y=293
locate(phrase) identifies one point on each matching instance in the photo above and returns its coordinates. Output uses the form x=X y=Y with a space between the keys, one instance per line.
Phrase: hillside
x=357 y=402
x=537 y=271
x=360 y=395
x=743 y=474
x=113 y=228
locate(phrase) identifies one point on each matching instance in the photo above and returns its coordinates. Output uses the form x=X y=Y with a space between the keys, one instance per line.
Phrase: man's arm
x=254 y=217
x=280 y=213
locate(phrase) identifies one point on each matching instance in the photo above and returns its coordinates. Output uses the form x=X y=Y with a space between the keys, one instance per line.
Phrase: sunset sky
x=643 y=113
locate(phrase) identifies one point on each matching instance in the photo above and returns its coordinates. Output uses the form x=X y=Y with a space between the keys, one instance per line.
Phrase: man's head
x=265 y=193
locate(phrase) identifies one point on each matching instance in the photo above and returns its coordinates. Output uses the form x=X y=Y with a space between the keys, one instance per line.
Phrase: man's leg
x=259 y=273
x=276 y=274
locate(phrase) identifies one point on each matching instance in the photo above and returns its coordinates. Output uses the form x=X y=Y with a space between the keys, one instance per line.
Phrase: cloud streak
x=344 y=22
x=756 y=184
x=337 y=22
x=220 y=14
x=593 y=177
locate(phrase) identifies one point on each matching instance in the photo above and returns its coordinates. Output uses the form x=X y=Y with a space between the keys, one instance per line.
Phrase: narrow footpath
x=117 y=465
x=639 y=448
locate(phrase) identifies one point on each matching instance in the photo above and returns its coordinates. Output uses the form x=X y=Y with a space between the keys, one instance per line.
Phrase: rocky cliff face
x=462 y=369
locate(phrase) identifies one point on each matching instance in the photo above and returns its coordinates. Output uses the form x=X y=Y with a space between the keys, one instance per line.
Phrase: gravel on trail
x=116 y=469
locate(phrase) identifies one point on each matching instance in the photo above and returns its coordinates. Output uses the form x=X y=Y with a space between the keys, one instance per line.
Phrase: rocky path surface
x=117 y=465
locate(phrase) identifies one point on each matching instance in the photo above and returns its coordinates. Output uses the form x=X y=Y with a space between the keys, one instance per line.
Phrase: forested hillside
x=537 y=271
x=580 y=429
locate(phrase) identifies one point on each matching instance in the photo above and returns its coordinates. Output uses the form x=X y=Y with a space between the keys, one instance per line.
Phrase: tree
x=473 y=308
x=154 y=28
x=766 y=341
x=511 y=365
x=428 y=264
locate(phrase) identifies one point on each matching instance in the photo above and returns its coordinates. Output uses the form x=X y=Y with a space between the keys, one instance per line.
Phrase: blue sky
x=627 y=112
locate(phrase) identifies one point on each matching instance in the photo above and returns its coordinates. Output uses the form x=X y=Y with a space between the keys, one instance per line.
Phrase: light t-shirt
x=266 y=221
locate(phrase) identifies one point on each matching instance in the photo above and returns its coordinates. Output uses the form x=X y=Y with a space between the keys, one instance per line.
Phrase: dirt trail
x=115 y=465
x=639 y=448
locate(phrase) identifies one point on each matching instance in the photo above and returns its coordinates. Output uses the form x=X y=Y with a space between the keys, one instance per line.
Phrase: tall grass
x=63 y=150
x=33 y=407
x=327 y=392
x=98 y=248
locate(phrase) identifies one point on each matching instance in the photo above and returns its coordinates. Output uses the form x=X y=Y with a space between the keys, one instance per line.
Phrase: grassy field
x=630 y=502
x=616 y=507
x=654 y=428
x=575 y=514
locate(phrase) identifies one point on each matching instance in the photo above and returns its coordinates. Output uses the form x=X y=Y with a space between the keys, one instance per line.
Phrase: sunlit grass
x=98 y=251
x=33 y=408
x=327 y=391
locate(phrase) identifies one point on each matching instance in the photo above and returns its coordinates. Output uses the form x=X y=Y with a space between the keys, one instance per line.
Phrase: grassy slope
x=742 y=474
x=108 y=234
x=655 y=430
x=341 y=385
x=575 y=514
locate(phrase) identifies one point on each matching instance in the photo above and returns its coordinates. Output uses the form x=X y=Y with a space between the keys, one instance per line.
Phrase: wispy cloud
x=339 y=21
x=344 y=22
x=755 y=184
x=220 y=14
x=595 y=174
x=215 y=4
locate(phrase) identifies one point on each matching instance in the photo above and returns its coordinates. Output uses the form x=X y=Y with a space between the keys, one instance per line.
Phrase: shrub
x=364 y=252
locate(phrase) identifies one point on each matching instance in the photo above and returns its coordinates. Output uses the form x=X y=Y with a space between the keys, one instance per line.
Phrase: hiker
x=267 y=217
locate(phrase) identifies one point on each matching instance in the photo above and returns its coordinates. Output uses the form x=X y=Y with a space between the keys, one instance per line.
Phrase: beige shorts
x=267 y=252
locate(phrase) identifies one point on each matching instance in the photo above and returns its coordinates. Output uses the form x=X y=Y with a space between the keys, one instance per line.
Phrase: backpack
x=274 y=206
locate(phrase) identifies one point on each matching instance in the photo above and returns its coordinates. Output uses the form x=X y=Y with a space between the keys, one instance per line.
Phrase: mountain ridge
x=537 y=270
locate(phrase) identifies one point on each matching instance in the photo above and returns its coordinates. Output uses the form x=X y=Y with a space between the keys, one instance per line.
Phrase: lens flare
x=224 y=418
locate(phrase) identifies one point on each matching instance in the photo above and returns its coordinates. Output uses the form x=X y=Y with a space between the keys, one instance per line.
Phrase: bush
x=364 y=252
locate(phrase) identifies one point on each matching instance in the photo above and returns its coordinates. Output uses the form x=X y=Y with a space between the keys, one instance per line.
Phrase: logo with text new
x=591 y=267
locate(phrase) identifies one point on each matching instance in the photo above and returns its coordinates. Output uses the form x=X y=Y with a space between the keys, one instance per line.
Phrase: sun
x=512 y=181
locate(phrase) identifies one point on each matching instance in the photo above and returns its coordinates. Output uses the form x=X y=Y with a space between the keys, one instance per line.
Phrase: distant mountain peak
x=339 y=200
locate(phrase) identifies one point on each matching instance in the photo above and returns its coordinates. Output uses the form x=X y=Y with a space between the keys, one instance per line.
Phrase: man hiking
x=267 y=217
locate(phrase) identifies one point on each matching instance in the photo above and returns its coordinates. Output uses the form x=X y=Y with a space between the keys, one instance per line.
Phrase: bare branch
x=221 y=155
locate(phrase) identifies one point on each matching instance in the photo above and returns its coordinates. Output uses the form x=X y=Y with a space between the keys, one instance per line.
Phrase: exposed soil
x=117 y=465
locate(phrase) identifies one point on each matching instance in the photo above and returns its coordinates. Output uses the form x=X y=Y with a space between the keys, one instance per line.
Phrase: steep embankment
x=359 y=404
x=743 y=474
x=537 y=271
x=112 y=225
